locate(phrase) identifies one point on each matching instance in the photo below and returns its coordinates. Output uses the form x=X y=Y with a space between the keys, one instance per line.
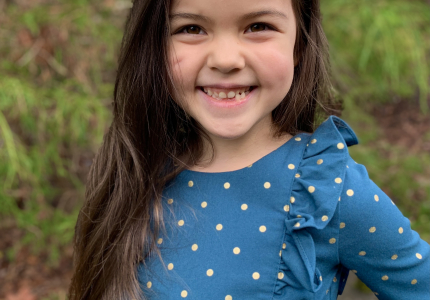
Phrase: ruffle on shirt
x=314 y=197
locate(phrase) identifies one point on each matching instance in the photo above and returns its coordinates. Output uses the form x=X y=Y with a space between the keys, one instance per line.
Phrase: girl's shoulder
x=321 y=176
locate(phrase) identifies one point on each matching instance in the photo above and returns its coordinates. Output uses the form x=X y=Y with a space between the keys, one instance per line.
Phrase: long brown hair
x=122 y=215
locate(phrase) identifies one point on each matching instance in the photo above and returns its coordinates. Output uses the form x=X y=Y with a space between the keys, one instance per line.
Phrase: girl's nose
x=226 y=55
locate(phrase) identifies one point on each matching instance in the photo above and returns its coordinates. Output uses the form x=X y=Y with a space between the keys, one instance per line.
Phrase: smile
x=233 y=94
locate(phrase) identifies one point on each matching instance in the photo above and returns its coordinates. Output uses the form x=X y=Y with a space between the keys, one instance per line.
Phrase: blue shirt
x=290 y=226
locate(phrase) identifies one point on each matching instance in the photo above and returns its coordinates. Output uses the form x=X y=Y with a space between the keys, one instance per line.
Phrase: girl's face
x=238 y=51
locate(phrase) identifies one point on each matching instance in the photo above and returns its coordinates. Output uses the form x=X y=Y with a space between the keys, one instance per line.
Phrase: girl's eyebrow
x=251 y=15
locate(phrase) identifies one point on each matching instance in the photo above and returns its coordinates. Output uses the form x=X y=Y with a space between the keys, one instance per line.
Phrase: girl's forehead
x=219 y=8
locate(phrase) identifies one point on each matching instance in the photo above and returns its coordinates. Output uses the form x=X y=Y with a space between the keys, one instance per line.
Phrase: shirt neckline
x=258 y=161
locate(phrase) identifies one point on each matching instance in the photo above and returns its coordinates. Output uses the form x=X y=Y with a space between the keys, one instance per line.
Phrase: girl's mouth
x=230 y=94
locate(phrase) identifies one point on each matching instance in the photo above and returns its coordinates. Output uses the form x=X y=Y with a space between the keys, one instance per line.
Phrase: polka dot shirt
x=290 y=226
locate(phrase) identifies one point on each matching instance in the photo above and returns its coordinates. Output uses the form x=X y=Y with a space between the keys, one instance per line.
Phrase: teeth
x=237 y=94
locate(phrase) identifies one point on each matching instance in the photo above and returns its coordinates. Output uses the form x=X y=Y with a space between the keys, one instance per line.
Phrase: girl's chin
x=225 y=132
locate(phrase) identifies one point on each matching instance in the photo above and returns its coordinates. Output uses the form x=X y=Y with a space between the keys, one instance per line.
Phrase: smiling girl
x=217 y=179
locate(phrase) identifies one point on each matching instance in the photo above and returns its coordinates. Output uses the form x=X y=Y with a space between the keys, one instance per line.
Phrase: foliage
x=53 y=113
x=380 y=49
x=58 y=62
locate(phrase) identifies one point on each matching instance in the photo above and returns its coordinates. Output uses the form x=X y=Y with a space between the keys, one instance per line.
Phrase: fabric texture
x=290 y=226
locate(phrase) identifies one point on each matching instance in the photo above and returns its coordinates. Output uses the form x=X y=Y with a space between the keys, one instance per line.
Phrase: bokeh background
x=57 y=68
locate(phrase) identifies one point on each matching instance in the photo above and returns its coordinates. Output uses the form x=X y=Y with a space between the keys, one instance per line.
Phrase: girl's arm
x=376 y=241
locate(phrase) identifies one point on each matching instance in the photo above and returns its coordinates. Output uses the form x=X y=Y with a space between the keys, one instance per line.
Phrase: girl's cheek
x=276 y=66
x=180 y=65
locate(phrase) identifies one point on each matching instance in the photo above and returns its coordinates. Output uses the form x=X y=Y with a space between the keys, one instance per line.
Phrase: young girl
x=212 y=182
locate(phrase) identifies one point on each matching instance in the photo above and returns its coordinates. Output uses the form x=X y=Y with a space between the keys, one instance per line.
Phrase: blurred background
x=57 y=69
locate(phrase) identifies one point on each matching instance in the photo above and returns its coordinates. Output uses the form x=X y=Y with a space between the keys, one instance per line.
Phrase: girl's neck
x=238 y=153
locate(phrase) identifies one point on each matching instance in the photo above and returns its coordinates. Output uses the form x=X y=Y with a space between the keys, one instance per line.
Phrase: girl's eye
x=259 y=27
x=194 y=29
x=191 y=29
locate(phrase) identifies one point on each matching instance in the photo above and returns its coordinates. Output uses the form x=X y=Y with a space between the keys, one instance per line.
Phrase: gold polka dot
x=376 y=293
x=236 y=250
x=372 y=229
x=299 y=216
x=170 y=266
x=342 y=225
x=170 y=201
x=350 y=192
x=297 y=224
x=332 y=241
x=307 y=145
x=311 y=189
x=394 y=257
x=326 y=292
x=280 y=253
x=244 y=206
x=400 y=230
x=338 y=180
x=181 y=222
x=419 y=256
x=280 y=275
x=194 y=247
x=320 y=161
x=339 y=199
x=149 y=284
x=414 y=281
x=160 y=240
x=210 y=272
x=298 y=139
x=228 y=297
x=320 y=278
x=362 y=253
x=292 y=199
x=184 y=294
x=313 y=141
x=226 y=185
x=340 y=146
x=335 y=279
x=256 y=275
x=354 y=271
x=287 y=208
x=190 y=183
x=267 y=185
x=324 y=218
x=297 y=175
x=262 y=228
x=219 y=227
x=392 y=202
x=376 y=197
x=385 y=277
x=250 y=166
x=284 y=246
x=204 y=204
x=291 y=166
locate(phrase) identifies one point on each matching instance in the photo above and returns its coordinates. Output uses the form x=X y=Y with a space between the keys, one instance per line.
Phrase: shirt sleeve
x=377 y=243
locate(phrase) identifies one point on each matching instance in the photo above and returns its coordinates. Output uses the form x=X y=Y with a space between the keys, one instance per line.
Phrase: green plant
x=379 y=48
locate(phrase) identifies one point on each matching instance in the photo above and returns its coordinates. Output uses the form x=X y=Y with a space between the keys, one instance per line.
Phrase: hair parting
x=151 y=140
